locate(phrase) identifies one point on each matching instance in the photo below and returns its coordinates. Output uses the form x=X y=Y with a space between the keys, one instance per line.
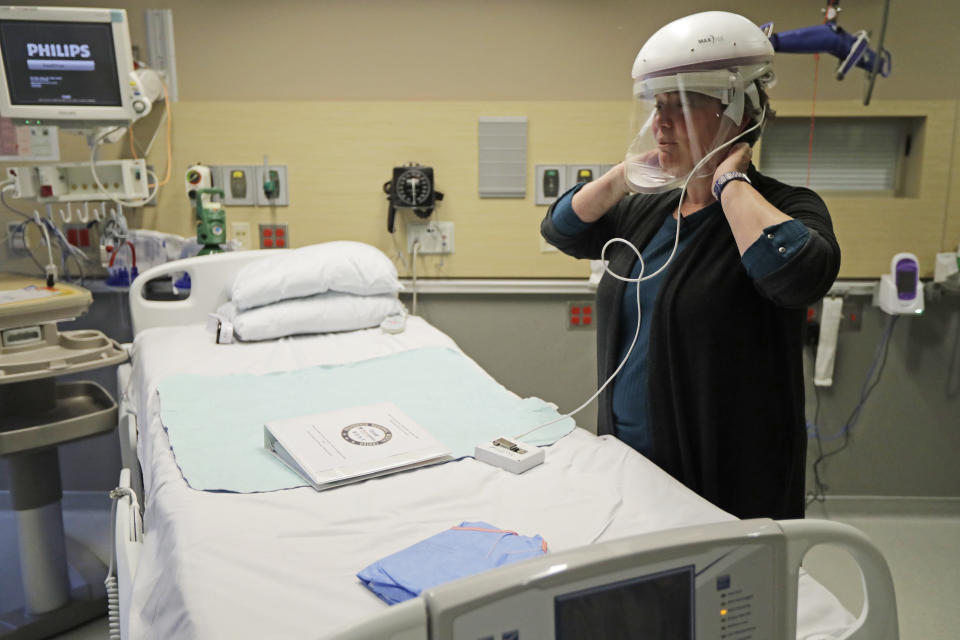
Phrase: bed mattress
x=283 y=564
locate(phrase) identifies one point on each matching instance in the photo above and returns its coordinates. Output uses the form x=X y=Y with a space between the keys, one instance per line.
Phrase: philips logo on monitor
x=58 y=50
x=58 y=57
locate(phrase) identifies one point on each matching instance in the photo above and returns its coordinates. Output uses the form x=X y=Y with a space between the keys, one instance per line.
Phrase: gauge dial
x=413 y=188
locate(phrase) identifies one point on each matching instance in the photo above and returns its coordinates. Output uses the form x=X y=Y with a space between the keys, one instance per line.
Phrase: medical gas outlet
x=553 y=180
x=246 y=185
x=272 y=186
x=433 y=237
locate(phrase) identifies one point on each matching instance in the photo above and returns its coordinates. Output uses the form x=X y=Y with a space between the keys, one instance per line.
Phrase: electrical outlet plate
x=274 y=236
x=434 y=237
x=546 y=247
x=78 y=235
x=283 y=198
x=851 y=315
x=17 y=240
x=240 y=232
x=580 y=315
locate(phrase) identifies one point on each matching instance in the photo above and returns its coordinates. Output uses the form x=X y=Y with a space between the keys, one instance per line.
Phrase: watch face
x=366 y=434
x=413 y=188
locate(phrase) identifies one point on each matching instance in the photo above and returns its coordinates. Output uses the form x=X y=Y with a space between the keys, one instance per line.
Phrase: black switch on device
x=551 y=183
x=584 y=175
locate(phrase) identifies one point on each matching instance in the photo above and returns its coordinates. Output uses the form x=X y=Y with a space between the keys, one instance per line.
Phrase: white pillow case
x=343 y=265
x=323 y=313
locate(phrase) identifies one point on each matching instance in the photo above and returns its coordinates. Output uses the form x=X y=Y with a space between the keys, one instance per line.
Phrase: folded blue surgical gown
x=460 y=551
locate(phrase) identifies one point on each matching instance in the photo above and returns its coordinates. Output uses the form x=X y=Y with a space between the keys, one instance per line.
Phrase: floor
x=922 y=547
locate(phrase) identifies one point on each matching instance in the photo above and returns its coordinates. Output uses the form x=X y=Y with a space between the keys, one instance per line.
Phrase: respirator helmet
x=696 y=84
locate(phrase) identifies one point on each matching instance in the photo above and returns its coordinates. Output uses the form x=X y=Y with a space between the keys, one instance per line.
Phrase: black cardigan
x=725 y=358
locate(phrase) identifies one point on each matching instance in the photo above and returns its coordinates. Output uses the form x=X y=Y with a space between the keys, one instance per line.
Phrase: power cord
x=415 y=250
x=93 y=172
x=641 y=278
x=820 y=489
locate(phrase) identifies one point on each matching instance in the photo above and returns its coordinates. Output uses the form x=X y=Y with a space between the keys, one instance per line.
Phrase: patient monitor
x=732 y=580
x=70 y=67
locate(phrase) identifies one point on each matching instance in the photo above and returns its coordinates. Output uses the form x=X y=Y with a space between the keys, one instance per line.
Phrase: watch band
x=726 y=179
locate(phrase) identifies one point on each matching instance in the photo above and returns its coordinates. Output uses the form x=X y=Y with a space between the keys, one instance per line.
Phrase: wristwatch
x=727 y=178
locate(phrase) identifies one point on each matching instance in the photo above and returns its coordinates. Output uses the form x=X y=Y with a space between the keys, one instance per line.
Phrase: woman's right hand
x=597 y=197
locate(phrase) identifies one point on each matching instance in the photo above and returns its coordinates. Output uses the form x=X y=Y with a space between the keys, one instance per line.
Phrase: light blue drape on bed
x=215 y=423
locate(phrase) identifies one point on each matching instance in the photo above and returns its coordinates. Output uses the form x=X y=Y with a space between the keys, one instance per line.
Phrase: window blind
x=849 y=154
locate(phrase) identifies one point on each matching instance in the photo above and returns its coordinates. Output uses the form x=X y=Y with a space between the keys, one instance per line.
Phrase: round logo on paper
x=366 y=434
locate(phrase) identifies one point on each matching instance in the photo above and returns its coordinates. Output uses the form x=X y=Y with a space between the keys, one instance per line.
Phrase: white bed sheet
x=283 y=564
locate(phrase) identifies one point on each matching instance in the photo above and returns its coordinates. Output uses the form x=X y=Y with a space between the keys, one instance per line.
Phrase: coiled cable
x=111 y=583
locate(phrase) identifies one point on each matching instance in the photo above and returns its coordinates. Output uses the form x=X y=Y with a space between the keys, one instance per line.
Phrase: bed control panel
x=722 y=593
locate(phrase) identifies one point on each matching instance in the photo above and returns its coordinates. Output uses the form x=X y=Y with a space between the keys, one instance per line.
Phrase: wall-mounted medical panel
x=551 y=182
x=77 y=182
x=239 y=184
x=502 y=157
x=25 y=144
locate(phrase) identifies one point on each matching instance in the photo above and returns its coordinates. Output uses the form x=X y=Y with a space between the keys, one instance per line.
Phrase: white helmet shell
x=704 y=41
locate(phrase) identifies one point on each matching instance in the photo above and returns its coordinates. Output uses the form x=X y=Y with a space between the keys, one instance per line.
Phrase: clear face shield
x=683 y=119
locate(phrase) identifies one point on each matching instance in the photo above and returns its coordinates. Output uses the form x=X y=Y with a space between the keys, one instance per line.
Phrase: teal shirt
x=630 y=393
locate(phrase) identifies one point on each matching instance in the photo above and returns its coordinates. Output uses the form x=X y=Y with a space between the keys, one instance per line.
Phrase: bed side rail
x=210 y=278
x=128 y=544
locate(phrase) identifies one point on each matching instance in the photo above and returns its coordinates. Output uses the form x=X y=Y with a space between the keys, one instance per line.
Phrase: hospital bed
x=282 y=564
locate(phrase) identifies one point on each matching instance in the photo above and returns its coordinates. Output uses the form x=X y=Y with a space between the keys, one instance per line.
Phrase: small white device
x=198 y=177
x=70 y=67
x=901 y=291
x=394 y=324
x=947 y=267
x=510 y=454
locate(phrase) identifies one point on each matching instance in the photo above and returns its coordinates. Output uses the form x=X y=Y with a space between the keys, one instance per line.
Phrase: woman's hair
x=755 y=112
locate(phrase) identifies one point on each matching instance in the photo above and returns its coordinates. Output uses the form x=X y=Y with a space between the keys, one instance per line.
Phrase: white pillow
x=344 y=266
x=323 y=313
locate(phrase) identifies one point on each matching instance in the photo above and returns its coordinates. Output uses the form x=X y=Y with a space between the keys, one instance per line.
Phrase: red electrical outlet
x=78 y=235
x=579 y=315
x=274 y=236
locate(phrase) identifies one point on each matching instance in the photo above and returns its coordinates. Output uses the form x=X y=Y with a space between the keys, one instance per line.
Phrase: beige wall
x=342 y=91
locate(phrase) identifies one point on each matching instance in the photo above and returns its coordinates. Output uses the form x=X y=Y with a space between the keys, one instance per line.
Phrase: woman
x=712 y=390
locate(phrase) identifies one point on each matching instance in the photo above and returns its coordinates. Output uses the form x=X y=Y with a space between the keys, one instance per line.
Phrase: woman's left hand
x=738 y=159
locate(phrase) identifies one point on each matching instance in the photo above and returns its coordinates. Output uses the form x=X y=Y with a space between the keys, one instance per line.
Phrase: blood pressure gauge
x=411 y=188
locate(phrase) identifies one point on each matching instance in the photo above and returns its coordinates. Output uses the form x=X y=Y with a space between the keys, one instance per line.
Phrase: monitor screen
x=70 y=64
x=650 y=607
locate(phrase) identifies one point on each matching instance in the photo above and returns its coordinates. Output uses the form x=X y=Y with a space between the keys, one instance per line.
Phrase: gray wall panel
x=905 y=443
